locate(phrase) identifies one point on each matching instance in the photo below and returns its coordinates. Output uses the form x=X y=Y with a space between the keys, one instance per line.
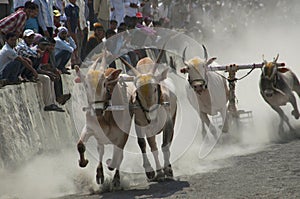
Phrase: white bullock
x=211 y=91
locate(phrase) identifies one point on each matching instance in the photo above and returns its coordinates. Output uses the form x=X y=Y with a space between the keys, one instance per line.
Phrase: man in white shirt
x=117 y=10
x=11 y=64
x=131 y=8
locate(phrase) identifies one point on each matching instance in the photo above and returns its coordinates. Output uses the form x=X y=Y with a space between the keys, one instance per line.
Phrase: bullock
x=276 y=87
x=154 y=106
x=210 y=89
x=108 y=126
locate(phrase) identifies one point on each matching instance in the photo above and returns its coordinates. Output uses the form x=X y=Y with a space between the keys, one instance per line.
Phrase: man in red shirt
x=15 y=22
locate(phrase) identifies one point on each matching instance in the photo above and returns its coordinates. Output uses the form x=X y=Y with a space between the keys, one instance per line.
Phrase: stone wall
x=26 y=129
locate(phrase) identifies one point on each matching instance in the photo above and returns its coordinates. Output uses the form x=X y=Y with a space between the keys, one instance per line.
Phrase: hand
x=112 y=9
x=76 y=68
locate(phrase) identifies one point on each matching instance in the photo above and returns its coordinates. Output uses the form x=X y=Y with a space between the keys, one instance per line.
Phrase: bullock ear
x=162 y=75
x=115 y=74
x=211 y=60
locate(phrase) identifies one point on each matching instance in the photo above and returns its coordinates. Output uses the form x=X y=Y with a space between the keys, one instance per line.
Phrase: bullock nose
x=198 y=87
x=268 y=93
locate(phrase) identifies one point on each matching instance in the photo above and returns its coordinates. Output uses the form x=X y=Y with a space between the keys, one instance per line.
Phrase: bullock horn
x=94 y=66
x=135 y=71
x=205 y=52
x=275 y=59
x=103 y=61
x=273 y=72
x=183 y=57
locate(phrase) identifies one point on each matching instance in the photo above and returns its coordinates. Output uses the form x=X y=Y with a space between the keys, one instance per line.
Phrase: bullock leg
x=283 y=118
x=152 y=143
x=146 y=164
x=293 y=101
x=116 y=179
x=81 y=149
x=100 y=174
x=206 y=120
x=168 y=133
x=226 y=121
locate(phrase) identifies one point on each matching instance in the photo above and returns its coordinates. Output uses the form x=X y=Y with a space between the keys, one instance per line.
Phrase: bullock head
x=197 y=70
x=99 y=83
x=147 y=83
x=269 y=76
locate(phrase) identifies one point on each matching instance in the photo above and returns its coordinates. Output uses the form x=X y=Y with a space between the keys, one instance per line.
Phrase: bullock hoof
x=160 y=176
x=116 y=182
x=295 y=114
x=80 y=147
x=168 y=171
x=83 y=163
x=150 y=175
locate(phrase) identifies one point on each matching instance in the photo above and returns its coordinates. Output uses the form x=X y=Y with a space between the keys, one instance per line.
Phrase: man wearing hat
x=95 y=39
x=64 y=48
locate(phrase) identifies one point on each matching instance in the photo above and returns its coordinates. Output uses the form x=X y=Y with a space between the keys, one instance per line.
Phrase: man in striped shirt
x=15 y=22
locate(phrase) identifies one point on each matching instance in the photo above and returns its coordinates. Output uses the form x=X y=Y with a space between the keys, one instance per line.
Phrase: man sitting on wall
x=12 y=64
x=64 y=48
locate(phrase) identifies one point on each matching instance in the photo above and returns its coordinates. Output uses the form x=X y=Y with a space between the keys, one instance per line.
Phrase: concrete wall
x=26 y=129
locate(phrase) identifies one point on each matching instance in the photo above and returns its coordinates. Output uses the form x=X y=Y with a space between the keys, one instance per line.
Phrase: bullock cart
x=237 y=116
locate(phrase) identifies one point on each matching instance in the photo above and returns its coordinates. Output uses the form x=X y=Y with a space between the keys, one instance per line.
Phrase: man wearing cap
x=64 y=48
x=56 y=20
x=12 y=64
x=95 y=39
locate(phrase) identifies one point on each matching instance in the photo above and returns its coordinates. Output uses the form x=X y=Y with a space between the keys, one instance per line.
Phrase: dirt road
x=271 y=173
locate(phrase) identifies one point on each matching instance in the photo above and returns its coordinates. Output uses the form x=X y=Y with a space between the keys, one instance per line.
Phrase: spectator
x=47 y=79
x=23 y=49
x=64 y=48
x=117 y=11
x=131 y=8
x=113 y=24
x=15 y=22
x=91 y=17
x=32 y=22
x=56 y=21
x=45 y=17
x=11 y=64
x=95 y=39
x=102 y=12
x=82 y=36
x=48 y=63
x=72 y=23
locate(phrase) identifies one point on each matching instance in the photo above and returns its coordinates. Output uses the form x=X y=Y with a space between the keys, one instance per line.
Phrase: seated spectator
x=47 y=78
x=95 y=39
x=64 y=48
x=32 y=22
x=23 y=49
x=12 y=64
x=48 y=63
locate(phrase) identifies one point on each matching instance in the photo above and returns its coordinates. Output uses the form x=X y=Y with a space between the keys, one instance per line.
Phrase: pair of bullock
x=152 y=101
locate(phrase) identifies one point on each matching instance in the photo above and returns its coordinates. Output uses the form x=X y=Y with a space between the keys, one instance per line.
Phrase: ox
x=107 y=125
x=210 y=88
x=154 y=106
x=276 y=87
